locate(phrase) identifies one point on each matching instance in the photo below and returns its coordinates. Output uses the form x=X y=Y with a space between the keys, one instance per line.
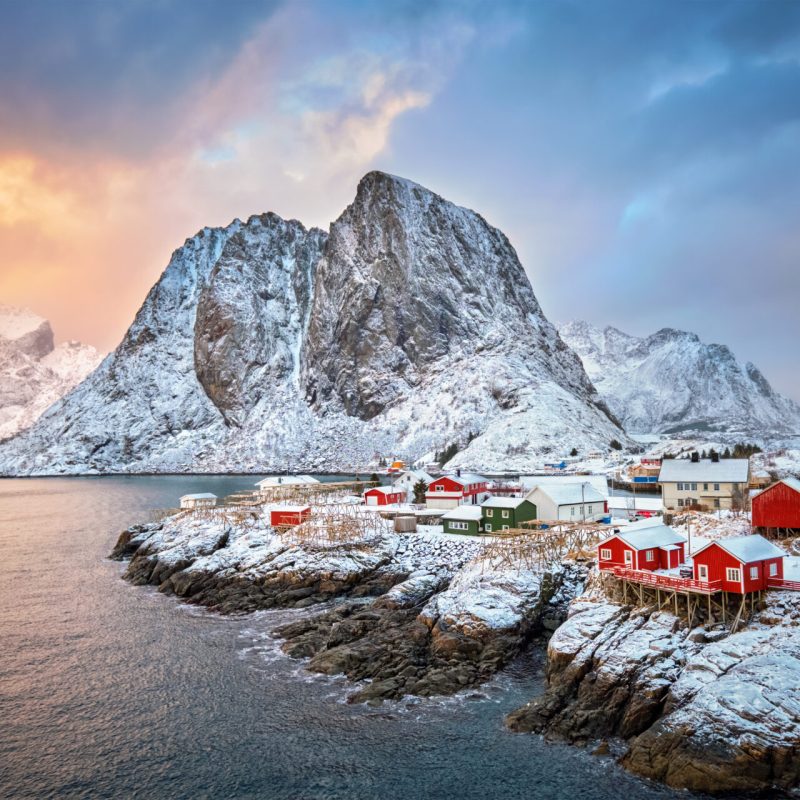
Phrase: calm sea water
x=108 y=690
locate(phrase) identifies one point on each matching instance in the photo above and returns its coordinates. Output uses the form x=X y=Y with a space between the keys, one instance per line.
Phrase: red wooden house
x=778 y=506
x=384 y=496
x=450 y=491
x=282 y=516
x=646 y=545
x=740 y=564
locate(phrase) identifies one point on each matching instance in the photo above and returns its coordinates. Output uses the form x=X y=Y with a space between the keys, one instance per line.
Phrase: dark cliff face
x=36 y=343
x=251 y=315
x=407 y=282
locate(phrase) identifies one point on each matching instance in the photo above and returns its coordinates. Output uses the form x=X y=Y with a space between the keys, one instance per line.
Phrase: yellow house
x=707 y=483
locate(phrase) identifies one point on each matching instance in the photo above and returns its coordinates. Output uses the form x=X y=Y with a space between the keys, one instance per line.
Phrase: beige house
x=706 y=483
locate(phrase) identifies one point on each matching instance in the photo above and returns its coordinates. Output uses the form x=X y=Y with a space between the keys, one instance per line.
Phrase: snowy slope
x=34 y=373
x=671 y=382
x=410 y=325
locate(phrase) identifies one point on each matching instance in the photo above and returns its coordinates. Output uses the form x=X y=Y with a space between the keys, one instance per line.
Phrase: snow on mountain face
x=34 y=373
x=671 y=382
x=265 y=345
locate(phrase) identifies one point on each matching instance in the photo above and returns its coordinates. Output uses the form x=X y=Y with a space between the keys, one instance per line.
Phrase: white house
x=405 y=482
x=598 y=482
x=568 y=502
x=274 y=481
x=200 y=500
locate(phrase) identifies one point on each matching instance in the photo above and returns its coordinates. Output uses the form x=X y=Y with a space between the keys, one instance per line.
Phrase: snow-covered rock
x=409 y=326
x=671 y=382
x=34 y=373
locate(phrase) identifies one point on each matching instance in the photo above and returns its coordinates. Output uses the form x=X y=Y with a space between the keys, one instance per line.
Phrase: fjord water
x=109 y=690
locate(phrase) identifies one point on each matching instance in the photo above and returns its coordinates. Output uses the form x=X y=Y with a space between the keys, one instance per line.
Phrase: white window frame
x=680 y=503
x=773 y=570
x=733 y=574
x=702 y=572
x=649 y=555
x=753 y=573
x=716 y=487
x=488 y=527
x=694 y=487
x=680 y=486
x=505 y=527
x=489 y=512
x=628 y=558
x=504 y=513
x=458 y=526
x=439 y=488
x=605 y=554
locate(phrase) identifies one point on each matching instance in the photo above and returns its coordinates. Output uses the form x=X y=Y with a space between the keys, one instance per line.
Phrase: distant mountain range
x=408 y=326
x=672 y=383
x=34 y=373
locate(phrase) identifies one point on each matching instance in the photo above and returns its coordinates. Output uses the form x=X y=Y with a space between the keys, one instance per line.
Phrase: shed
x=384 y=496
x=200 y=500
x=568 y=502
x=272 y=481
x=464 y=519
x=741 y=564
x=284 y=515
x=778 y=506
x=500 y=513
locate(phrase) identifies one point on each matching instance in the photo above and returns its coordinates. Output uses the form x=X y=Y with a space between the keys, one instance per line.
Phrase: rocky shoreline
x=696 y=709
x=423 y=614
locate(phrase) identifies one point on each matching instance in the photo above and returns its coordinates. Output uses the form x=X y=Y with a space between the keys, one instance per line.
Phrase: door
x=702 y=572
x=629 y=558
x=372 y=500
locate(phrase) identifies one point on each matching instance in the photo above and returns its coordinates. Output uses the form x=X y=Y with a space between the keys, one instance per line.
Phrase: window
x=505 y=527
x=648 y=555
x=680 y=503
x=773 y=570
x=605 y=553
x=694 y=487
x=753 y=573
x=488 y=527
x=505 y=513
x=459 y=526
x=680 y=487
x=732 y=574
x=489 y=512
x=716 y=502
x=591 y=510
x=572 y=511
x=702 y=572
x=705 y=487
x=716 y=487
x=440 y=488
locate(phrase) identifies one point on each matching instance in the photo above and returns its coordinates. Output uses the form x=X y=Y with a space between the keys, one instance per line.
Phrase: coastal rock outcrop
x=698 y=709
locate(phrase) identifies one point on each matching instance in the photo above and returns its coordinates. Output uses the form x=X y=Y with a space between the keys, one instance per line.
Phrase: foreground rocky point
x=421 y=613
x=698 y=709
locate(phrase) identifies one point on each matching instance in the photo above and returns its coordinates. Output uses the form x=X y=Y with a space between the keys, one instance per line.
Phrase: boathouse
x=285 y=516
x=647 y=545
x=776 y=509
x=384 y=496
x=740 y=564
x=200 y=500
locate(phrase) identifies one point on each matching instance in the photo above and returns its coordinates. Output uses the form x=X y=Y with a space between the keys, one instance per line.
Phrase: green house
x=464 y=519
x=499 y=513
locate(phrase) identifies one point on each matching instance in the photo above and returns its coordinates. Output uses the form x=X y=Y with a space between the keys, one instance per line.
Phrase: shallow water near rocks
x=109 y=690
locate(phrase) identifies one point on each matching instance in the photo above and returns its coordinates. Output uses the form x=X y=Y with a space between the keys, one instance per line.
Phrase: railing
x=780 y=583
x=657 y=581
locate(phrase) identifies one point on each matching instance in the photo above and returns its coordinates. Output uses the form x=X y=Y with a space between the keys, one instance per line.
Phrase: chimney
x=695 y=457
x=715 y=456
x=458 y=472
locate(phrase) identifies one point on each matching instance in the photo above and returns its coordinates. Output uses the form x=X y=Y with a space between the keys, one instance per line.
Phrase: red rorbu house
x=451 y=491
x=282 y=516
x=778 y=506
x=642 y=546
x=740 y=564
x=384 y=496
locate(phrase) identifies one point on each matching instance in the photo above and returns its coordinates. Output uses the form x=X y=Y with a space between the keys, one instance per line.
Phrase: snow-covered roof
x=726 y=470
x=466 y=478
x=416 y=474
x=792 y=483
x=567 y=494
x=464 y=512
x=291 y=509
x=747 y=548
x=503 y=502
x=650 y=535
x=286 y=480
x=383 y=489
x=599 y=482
x=637 y=503
x=199 y=496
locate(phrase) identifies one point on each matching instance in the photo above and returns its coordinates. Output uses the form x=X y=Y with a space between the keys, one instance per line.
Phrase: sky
x=642 y=157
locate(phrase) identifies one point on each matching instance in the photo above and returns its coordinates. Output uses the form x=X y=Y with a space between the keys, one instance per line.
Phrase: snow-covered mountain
x=33 y=372
x=409 y=325
x=671 y=382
